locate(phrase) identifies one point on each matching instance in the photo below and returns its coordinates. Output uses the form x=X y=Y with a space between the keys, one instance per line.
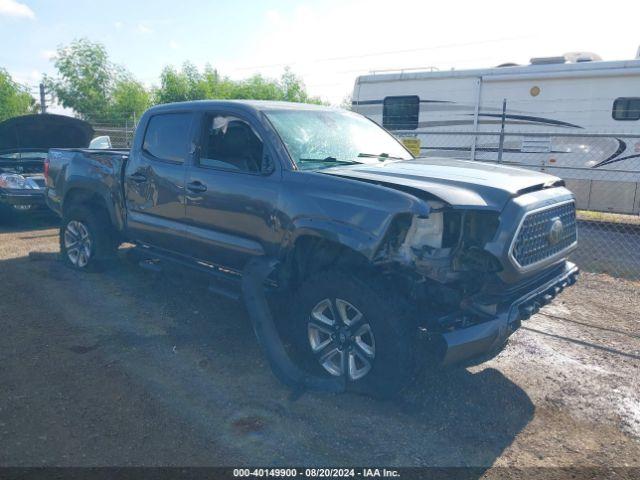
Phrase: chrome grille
x=545 y=233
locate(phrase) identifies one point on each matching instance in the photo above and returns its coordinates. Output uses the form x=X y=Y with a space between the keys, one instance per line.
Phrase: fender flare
x=95 y=187
x=340 y=233
x=254 y=276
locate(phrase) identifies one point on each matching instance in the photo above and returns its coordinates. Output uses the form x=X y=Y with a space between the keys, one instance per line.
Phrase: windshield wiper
x=328 y=160
x=381 y=156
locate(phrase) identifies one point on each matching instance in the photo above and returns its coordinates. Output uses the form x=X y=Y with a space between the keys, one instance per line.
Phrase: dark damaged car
x=24 y=143
x=357 y=262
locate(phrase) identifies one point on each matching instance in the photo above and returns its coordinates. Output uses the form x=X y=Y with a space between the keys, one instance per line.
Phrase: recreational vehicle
x=575 y=116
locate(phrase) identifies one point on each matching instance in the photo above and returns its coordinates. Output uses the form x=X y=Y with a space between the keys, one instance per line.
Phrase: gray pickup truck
x=378 y=261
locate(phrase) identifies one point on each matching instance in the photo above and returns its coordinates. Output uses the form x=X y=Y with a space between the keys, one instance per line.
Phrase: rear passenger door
x=155 y=181
x=232 y=191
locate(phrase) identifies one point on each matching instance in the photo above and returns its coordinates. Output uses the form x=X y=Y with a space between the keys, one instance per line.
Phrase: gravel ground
x=128 y=367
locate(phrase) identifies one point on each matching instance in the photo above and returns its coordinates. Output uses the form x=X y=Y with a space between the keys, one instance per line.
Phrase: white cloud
x=173 y=45
x=13 y=8
x=273 y=16
x=119 y=25
x=48 y=54
x=145 y=29
x=26 y=77
x=330 y=46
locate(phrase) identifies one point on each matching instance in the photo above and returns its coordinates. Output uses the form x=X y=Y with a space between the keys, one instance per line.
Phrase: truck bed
x=69 y=168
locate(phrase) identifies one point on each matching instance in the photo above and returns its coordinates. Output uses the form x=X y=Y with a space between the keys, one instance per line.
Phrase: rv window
x=626 y=108
x=401 y=113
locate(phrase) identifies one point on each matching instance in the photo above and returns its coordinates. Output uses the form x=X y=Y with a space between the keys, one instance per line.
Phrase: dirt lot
x=129 y=367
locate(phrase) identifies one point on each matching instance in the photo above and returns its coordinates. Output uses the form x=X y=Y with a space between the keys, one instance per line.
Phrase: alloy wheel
x=341 y=338
x=77 y=243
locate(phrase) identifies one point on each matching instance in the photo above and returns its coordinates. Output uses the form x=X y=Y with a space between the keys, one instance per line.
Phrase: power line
x=390 y=52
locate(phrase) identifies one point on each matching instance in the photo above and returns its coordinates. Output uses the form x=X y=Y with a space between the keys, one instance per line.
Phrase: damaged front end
x=463 y=305
x=445 y=246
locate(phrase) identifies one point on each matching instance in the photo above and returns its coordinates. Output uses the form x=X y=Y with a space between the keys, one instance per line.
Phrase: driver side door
x=231 y=192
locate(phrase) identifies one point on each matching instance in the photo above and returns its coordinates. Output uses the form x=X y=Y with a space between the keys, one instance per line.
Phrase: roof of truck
x=254 y=105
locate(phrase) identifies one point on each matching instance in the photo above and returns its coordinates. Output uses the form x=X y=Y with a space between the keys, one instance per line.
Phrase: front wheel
x=86 y=239
x=345 y=327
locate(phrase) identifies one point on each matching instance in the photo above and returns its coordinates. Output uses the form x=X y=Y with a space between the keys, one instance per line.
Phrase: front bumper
x=492 y=331
x=22 y=197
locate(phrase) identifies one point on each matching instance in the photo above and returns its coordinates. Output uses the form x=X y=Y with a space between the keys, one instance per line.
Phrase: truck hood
x=42 y=132
x=460 y=183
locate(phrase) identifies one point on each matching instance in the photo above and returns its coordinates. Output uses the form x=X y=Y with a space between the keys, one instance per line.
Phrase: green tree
x=174 y=86
x=189 y=83
x=258 y=88
x=347 y=102
x=86 y=79
x=129 y=99
x=294 y=89
x=99 y=91
x=14 y=99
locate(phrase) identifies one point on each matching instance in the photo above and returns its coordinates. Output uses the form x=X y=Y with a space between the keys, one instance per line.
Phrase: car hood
x=42 y=132
x=461 y=183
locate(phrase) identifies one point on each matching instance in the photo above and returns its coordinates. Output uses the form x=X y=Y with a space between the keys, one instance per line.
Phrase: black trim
x=601 y=164
x=380 y=102
x=622 y=146
x=546 y=121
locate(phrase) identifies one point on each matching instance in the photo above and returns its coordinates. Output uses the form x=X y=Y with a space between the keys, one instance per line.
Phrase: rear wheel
x=345 y=327
x=86 y=239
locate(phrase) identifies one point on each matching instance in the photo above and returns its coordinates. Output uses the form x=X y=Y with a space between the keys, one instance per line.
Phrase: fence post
x=504 y=117
x=476 y=114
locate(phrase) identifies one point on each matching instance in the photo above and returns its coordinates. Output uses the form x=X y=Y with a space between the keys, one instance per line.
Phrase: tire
x=374 y=339
x=94 y=238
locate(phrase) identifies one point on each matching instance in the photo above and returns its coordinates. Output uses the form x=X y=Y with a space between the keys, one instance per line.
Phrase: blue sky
x=327 y=42
x=142 y=36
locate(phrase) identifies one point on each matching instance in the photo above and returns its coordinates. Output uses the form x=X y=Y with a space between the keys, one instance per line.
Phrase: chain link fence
x=602 y=170
x=120 y=135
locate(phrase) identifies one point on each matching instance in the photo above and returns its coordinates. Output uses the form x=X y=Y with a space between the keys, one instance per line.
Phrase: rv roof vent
x=508 y=64
x=547 y=60
x=579 y=57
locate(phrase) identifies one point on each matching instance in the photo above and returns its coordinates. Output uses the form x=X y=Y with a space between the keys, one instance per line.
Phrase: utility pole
x=43 y=104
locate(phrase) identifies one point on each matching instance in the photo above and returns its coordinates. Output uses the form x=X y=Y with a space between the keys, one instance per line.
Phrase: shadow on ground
x=24 y=222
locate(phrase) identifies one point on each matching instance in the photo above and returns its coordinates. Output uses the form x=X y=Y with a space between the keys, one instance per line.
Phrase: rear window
x=167 y=136
x=401 y=113
x=626 y=108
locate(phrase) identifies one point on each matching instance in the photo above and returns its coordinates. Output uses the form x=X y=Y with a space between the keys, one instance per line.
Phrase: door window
x=230 y=143
x=167 y=136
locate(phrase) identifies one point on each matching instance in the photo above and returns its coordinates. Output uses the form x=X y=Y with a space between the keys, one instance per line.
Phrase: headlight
x=427 y=231
x=14 y=181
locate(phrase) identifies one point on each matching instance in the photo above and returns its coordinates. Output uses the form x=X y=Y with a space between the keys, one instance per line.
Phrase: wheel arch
x=92 y=195
x=312 y=251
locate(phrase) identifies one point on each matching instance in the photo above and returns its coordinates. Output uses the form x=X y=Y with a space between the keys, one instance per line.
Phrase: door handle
x=196 y=187
x=138 y=177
